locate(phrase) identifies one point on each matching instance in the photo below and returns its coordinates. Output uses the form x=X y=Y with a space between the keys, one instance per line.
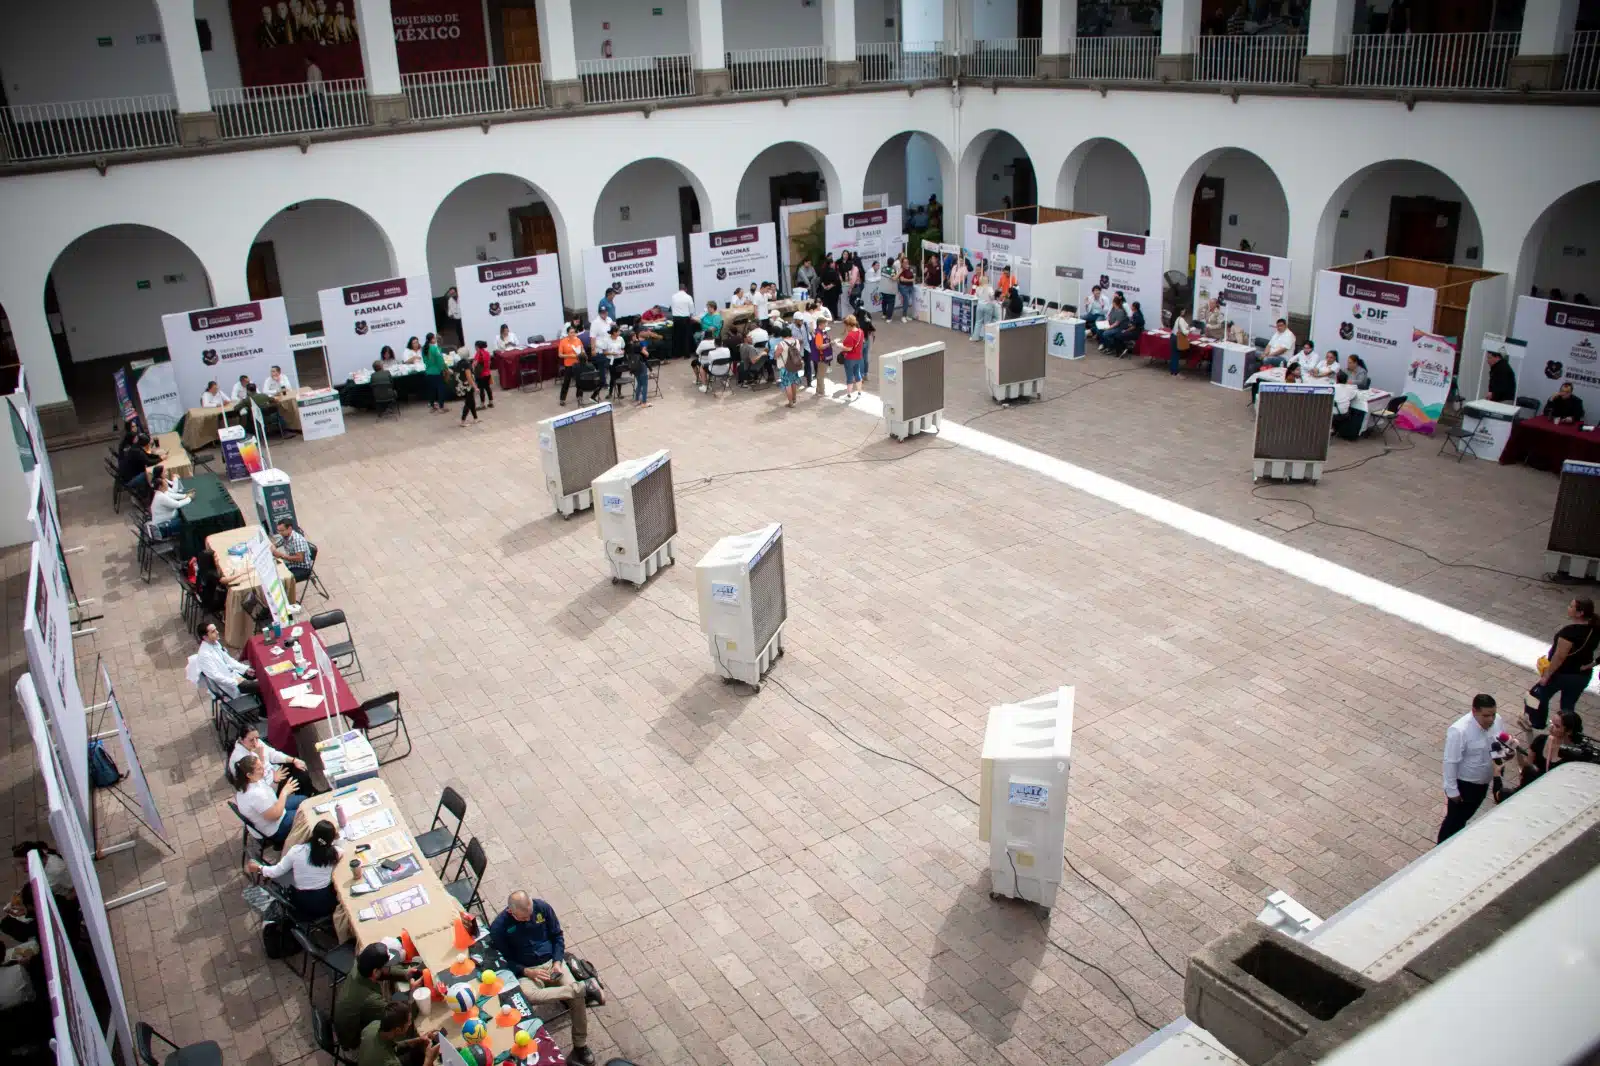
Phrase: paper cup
x=422 y=998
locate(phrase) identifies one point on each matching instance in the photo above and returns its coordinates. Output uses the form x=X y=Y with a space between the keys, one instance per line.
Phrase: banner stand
x=145 y=811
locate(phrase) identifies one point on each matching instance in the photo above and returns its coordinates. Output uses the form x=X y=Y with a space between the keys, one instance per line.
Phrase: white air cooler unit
x=1022 y=816
x=575 y=449
x=911 y=385
x=1014 y=355
x=637 y=516
x=1574 y=545
x=1293 y=423
x=743 y=602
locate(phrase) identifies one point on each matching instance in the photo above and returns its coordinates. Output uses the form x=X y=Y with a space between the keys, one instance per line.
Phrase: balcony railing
x=913 y=61
x=1583 y=63
x=89 y=127
x=271 y=110
x=611 y=81
x=1265 y=59
x=1116 y=58
x=1010 y=57
x=474 y=91
x=1431 y=60
x=754 y=70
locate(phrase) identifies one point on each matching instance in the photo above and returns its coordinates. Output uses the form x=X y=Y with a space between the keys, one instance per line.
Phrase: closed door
x=1205 y=217
x=1023 y=191
x=261 y=271
x=519 y=38
x=532 y=234
x=799 y=187
x=1421 y=227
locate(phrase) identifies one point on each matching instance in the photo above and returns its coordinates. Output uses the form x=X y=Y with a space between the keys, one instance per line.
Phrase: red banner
x=274 y=40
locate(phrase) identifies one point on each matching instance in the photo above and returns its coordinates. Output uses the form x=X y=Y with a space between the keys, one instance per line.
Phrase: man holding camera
x=1468 y=764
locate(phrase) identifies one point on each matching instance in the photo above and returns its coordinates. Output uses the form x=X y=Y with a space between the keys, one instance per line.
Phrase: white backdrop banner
x=1129 y=264
x=47 y=635
x=72 y=1015
x=724 y=260
x=130 y=756
x=1563 y=346
x=158 y=395
x=1001 y=243
x=220 y=343
x=1377 y=320
x=359 y=320
x=646 y=270
x=870 y=234
x=1254 y=288
x=524 y=294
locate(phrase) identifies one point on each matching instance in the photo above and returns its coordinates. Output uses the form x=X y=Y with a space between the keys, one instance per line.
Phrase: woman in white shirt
x=310 y=866
x=741 y=299
x=986 y=310
x=452 y=311
x=507 y=340
x=270 y=812
x=213 y=397
x=250 y=743
x=164 y=507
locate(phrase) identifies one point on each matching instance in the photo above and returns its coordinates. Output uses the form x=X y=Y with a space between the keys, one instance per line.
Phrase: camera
x=1580 y=749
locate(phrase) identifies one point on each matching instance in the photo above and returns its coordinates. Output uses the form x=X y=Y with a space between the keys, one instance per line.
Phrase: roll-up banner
x=646 y=270
x=359 y=321
x=221 y=343
x=740 y=258
x=524 y=294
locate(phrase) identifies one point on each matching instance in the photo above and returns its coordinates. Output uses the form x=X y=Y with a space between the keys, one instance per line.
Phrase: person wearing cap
x=361 y=997
x=570 y=350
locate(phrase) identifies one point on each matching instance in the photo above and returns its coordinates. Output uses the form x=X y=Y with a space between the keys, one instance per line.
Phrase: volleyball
x=463 y=998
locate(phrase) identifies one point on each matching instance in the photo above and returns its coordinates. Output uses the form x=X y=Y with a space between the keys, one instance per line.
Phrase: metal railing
x=1008 y=57
x=1431 y=60
x=1116 y=58
x=89 y=127
x=912 y=61
x=474 y=91
x=1267 y=58
x=1583 y=63
x=269 y=110
x=610 y=81
x=754 y=70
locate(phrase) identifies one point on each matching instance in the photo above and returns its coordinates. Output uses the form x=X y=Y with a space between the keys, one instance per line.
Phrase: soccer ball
x=472 y=1031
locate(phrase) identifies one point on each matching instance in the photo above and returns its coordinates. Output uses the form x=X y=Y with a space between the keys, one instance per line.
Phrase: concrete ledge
x=1056 y=66
x=388 y=110
x=844 y=74
x=563 y=93
x=197 y=127
x=1175 y=68
x=57 y=419
x=711 y=82
x=1536 y=73
x=1322 y=70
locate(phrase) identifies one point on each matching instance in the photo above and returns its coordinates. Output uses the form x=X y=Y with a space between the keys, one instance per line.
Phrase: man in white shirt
x=1281 y=343
x=213 y=397
x=215 y=662
x=277 y=384
x=682 y=308
x=600 y=327
x=241 y=391
x=1468 y=764
x=1095 y=307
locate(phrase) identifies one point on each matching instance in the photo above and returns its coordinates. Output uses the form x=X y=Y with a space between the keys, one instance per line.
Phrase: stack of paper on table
x=367 y=824
x=387 y=845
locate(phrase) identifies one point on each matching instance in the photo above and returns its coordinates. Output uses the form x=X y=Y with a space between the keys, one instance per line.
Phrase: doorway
x=519 y=44
x=1030 y=19
x=261 y=271
x=1024 y=192
x=796 y=187
x=1205 y=217
x=1421 y=227
x=533 y=231
x=689 y=218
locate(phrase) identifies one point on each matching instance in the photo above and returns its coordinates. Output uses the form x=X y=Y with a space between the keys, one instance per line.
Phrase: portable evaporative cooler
x=575 y=449
x=1293 y=423
x=1013 y=357
x=637 y=516
x=743 y=602
x=1574 y=545
x=911 y=385
x=1022 y=816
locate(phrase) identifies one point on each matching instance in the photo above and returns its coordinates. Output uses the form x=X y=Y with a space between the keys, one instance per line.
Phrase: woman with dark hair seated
x=310 y=866
x=1542 y=754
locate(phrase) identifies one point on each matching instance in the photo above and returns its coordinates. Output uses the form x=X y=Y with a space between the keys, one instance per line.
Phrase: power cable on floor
x=695 y=486
x=1093 y=380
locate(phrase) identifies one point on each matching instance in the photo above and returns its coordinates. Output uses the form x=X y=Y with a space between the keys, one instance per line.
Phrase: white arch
x=1072 y=171
x=1328 y=220
x=1533 y=241
x=947 y=165
x=836 y=195
x=972 y=157
x=564 y=249
x=1183 y=203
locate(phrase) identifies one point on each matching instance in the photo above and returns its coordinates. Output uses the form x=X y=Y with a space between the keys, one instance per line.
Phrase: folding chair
x=441 y=839
x=117 y=488
x=720 y=368
x=252 y=835
x=1460 y=439
x=338 y=961
x=469 y=878
x=386 y=400
x=312 y=581
x=528 y=377
x=385 y=721
x=653 y=368
x=344 y=649
x=205 y=1053
x=1382 y=422
x=322 y=1034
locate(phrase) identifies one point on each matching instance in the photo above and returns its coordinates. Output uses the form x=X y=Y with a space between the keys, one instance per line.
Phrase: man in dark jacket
x=527 y=934
x=1502 y=379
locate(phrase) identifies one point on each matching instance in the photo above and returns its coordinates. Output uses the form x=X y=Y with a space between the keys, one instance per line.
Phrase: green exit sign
x=103 y=42
x=141 y=284
x=656 y=11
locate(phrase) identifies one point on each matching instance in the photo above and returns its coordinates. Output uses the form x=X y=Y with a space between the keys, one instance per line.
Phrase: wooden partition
x=1452 y=286
x=1036 y=215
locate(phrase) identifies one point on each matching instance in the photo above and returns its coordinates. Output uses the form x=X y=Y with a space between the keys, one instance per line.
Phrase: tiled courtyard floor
x=753 y=885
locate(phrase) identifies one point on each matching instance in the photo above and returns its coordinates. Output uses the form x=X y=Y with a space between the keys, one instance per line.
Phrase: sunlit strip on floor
x=1431 y=615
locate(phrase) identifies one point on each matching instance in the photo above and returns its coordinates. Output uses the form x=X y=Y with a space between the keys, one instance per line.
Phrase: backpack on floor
x=277 y=940
x=103 y=772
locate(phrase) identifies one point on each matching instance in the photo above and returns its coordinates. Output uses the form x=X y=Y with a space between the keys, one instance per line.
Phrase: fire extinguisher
x=605 y=48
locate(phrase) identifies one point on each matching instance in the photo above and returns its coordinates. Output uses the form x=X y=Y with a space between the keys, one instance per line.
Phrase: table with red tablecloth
x=1541 y=443
x=282 y=718
x=1157 y=344
x=509 y=363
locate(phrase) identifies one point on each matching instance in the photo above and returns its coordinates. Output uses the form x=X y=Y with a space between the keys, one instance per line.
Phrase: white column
x=957 y=24
x=839 y=41
x=1327 y=41
x=705 y=46
x=558 y=53
x=379 y=62
x=1059 y=40
x=196 y=121
x=1541 y=59
x=1180 y=25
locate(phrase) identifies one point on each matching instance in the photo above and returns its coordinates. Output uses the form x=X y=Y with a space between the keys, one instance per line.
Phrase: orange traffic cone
x=463 y=938
x=408 y=946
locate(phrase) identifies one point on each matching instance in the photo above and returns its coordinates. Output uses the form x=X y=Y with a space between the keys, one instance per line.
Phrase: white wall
x=991 y=20
x=755 y=190
x=1367 y=227
x=636 y=32
x=649 y=190
x=923 y=176
x=102 y=307
x=871 y=16
x=1251 y=192
x=1570 y=257
x=887 y=171
x=465 y=220
x=1112 y=183
x=49 y=50
x=222 y=62
x=921 y=20
x=323 y=244
x=769 y=23
x=993 y=181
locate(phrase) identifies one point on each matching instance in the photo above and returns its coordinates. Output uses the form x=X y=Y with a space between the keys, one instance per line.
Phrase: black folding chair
x=386 y=722
x=205 y=1053
x=343 y=653
x=338 y=961
x=386 y=400
x=322 y=1033
x=1382 y=422
x=1461 y=440
x=469 y=878
x=252 y=835
x=441 y=839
